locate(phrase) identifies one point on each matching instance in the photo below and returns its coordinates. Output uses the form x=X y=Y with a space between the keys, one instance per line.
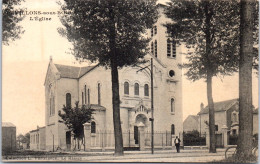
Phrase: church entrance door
x=136 y=134
x=68 y=140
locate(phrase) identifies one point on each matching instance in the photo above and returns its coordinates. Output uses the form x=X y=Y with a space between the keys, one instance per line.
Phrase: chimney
x=201 y=106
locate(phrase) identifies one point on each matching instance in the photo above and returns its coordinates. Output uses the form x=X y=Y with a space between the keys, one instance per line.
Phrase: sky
x=25 y=62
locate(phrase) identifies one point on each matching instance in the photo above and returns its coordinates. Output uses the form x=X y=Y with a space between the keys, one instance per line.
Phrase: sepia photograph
x=130 y=81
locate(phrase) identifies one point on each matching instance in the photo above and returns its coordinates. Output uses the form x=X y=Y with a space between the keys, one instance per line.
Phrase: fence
x=232 y=139
x=161 y=139
x=105 y=139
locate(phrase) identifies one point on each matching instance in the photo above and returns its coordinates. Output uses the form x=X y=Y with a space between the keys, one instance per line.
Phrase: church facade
x=92 y=85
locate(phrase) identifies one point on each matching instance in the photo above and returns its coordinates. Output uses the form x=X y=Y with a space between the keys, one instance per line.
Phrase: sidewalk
x=219 y=150
x=140 y=155
x=129 y=156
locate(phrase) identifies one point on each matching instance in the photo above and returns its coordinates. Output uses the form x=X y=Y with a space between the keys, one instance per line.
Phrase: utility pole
x=53 y=142
x=152 y=118
x=152 y=108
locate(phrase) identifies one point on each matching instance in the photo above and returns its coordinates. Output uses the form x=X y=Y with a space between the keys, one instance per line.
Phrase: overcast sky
x=25 y=64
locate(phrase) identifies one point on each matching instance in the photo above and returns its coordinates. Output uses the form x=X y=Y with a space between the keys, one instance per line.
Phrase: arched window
x=85 y=90
x=126 y=88
x=52 y=105
x=88 y=96
x=93 y=127
x=155 y=48
x=168 y=48
x=146 y=90
x=68 y=100
x=172 y=129
x=137 y=89
x=172 y=105
x=82 y=95
x=99 y=95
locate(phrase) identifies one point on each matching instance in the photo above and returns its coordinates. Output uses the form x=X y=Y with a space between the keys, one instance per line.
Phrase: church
x=92 y=85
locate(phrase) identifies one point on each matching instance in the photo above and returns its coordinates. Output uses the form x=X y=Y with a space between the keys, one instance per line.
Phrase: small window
x=155 y=48
x=168 y=48
x=151 y=32
x=68 y=100
x=126 y=88
x=85 y=90
x=173 y=49
x=146 y=90
x=155 y=30
x=172 y=105
x=99 y=95
x=93 y=127
x=172 y=129
x=171 y=73
x=136 y=89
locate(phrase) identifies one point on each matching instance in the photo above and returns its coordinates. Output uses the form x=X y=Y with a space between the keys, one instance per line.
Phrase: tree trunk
x=115 y=83
x=245 y=79
x=212 y=148
x=116 y=111
x=212 y=140
x=78 y=142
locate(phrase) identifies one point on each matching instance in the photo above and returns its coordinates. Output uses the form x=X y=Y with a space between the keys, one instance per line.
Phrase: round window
x=171 y=73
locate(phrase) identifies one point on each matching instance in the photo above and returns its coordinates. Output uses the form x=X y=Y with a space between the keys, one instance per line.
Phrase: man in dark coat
x=177 y=143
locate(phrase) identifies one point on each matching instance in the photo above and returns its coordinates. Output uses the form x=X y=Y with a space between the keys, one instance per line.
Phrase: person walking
x=177 y=142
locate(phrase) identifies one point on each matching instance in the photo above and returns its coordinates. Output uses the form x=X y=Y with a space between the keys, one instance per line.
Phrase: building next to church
x=38 y=139
x=8 y=137
x=191 y=123
x=64 y=85
x=226 y=114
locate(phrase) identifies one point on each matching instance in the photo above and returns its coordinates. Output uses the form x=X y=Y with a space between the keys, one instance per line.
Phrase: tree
x=209 y=29
x=74 y=118
x=247 y=13
x=111 y=33
x=11 y=28
x=26 y=139
x=20 y=139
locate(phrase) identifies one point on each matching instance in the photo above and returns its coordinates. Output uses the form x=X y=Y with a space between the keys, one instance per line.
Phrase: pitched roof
x=220 y=106
x=38 y=128
x=73 y=72
x=8 y=124
x=95 y=107
x=195 y=117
